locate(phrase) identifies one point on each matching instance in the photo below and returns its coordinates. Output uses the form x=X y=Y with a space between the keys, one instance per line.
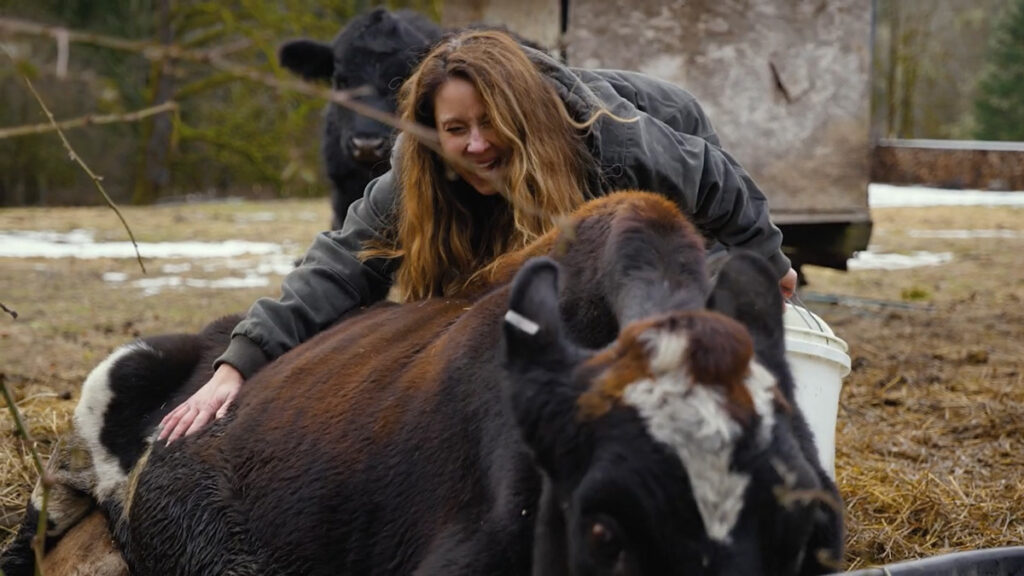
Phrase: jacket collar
x=580 y=101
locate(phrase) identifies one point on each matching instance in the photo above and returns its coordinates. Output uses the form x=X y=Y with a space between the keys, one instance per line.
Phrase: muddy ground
x=931 y=424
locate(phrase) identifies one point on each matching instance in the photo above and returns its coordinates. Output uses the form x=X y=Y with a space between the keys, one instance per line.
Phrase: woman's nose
x=477 y=143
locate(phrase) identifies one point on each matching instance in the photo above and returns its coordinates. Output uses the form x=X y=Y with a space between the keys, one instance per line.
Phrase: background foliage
x=999 y=106
x=230 y=136
x=929 y=61
x=947 y=69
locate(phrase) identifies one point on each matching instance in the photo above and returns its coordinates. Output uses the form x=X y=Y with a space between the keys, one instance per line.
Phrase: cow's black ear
x=540 y=361
x=747 y=290
x=310 y=59
x=533 y=324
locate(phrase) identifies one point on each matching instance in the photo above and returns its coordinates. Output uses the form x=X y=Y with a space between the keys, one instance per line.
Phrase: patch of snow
x=963 y=234
x=890 y=196
x=869 y=260
x=80 y=244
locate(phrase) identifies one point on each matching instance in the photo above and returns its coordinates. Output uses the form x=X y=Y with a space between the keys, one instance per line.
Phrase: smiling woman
x=525 y=141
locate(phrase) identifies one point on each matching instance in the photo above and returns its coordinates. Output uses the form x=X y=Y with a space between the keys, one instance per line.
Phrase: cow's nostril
x=368 y=149
x=368 y=144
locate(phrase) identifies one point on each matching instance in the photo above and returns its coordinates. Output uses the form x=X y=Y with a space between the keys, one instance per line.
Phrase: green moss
x=915 y=294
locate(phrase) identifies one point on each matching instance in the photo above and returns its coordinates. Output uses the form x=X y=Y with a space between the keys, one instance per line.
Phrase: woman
x=524 y=139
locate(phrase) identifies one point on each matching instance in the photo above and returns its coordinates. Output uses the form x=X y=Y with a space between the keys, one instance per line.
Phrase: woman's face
x=466 y=134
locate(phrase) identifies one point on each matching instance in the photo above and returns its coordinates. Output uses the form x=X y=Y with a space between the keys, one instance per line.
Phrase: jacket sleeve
x=329 y=282
x=706 y=182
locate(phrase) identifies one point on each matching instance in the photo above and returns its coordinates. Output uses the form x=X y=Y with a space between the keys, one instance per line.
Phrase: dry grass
x=930 y=431
x=69 y=318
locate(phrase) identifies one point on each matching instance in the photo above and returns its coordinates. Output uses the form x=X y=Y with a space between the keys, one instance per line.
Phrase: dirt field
x=931 y=424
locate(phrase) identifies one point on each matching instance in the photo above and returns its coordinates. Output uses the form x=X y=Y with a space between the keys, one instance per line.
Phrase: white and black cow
x=376 y=52
x=580 y=412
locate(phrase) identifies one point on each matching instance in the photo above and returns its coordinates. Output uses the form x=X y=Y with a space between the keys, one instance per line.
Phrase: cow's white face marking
x=762 y=385
x=691 y=419
x=666 y=351
x=89 y=416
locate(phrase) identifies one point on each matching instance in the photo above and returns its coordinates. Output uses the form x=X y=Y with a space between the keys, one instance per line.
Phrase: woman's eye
x=455 y=129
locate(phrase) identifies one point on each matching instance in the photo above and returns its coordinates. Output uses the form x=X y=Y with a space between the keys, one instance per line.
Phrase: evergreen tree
x=999 y=104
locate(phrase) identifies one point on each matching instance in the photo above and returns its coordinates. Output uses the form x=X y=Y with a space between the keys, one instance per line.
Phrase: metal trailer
x=785 y=83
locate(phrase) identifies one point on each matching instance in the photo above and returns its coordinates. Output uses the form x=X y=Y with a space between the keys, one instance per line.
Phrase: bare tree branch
x=90 y=120
x=215 y=58
x=74 y=156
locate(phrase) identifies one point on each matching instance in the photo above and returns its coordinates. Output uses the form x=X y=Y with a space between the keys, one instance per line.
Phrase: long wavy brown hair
x=446 y=232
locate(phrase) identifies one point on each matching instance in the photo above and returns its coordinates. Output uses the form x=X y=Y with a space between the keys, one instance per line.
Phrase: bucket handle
x=804 y=312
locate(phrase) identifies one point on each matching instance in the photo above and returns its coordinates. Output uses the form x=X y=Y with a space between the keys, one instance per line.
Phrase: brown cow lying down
x=604 y=412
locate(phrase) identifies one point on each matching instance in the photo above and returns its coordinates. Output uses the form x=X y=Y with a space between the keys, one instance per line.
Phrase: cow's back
x=408 y=404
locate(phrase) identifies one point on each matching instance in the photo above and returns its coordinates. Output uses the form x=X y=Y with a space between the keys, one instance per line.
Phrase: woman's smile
x=467 y=136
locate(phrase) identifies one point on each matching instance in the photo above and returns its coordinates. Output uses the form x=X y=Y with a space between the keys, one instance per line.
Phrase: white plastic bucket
x=819 y=362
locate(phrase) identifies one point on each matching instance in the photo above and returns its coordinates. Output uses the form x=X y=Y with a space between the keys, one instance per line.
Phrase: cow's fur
x=591 y=417
x=374 y=53
x=88 y=550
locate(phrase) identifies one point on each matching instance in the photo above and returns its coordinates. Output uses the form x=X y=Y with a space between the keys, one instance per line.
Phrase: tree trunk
x=890 y=77
x=155 y=175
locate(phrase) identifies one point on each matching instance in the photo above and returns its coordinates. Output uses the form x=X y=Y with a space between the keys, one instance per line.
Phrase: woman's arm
x=329 y=282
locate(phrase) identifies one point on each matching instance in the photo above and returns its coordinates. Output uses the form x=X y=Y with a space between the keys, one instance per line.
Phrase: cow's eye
x=603 y=540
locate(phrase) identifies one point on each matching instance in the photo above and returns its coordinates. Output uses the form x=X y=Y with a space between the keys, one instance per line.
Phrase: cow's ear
x=540 y=361
x=533 y=324
x=310 y=59
x=747 y=290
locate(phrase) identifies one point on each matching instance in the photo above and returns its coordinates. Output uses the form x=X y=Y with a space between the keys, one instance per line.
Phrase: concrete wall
x=537 y=20
x=785 y=82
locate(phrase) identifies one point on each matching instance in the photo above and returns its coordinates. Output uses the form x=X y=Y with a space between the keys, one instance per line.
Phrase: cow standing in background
x=374 y=52
x=589 y=417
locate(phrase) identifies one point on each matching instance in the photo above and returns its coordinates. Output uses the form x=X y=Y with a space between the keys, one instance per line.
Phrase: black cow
x=375 y=51
x=478 y=434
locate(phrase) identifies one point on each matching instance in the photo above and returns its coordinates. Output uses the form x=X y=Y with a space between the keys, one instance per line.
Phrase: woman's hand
x=788 y=284
x=209 y=402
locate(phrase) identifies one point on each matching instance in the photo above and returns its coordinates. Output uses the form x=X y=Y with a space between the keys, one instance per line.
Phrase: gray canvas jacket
x=672 y=149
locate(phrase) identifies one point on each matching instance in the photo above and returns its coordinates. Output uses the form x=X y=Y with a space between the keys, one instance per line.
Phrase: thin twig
x=20 y=423
x=74 y=156
x=90 y=120
x=13 y=313
x=44 y=481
